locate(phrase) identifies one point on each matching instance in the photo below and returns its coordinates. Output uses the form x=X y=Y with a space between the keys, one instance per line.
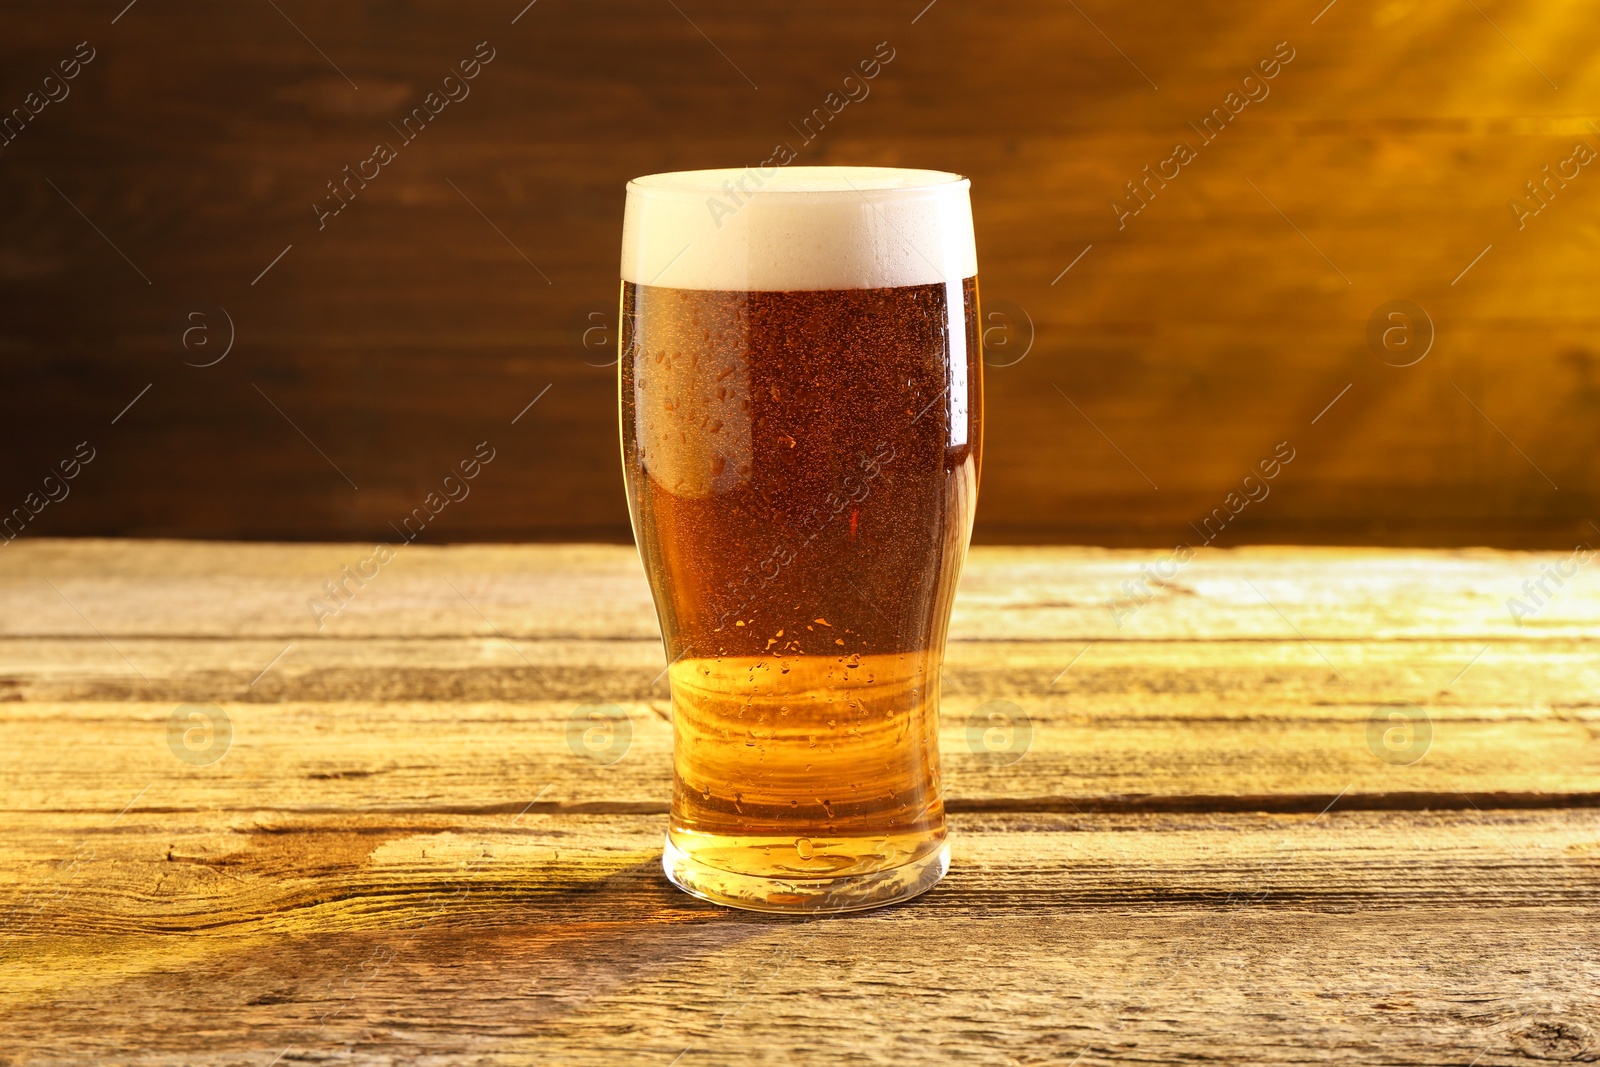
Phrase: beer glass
x=801 y=396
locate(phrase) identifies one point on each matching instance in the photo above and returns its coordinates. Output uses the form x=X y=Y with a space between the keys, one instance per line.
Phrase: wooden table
x=1207 y=853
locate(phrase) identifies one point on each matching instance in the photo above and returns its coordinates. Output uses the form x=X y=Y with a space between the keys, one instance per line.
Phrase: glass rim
x=831 y=182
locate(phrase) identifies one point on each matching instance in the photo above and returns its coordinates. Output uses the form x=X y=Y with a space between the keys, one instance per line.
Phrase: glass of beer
x=801 y=393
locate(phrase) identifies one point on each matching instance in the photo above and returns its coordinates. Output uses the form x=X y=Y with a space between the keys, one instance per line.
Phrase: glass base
x=804 y=896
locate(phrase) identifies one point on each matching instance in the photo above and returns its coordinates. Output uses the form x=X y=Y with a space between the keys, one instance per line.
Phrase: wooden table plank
x=1370 y=937
x=222 y=589
x=1201 y=695
x=399 y=859
x=268 y=871
x=1174 y=753
x=1554 y=671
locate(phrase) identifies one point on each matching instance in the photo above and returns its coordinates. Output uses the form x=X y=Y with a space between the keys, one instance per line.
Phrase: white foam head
x=790 y=228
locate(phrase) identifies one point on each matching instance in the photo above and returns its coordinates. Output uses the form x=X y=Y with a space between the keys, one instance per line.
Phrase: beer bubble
x=1399 y=733
x=804 y=848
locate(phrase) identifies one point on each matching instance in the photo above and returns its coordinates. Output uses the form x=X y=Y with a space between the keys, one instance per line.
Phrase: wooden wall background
x=1219 y=322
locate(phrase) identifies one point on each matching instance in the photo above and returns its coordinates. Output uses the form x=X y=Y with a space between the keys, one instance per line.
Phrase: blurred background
x=253 y=344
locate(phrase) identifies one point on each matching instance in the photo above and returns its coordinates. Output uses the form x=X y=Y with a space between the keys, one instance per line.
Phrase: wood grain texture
x=514 y=641
x=1222 y=319
x=1373 y=938
x=399 y=859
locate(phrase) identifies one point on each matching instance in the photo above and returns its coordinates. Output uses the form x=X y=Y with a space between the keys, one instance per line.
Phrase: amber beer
x=801 y=400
